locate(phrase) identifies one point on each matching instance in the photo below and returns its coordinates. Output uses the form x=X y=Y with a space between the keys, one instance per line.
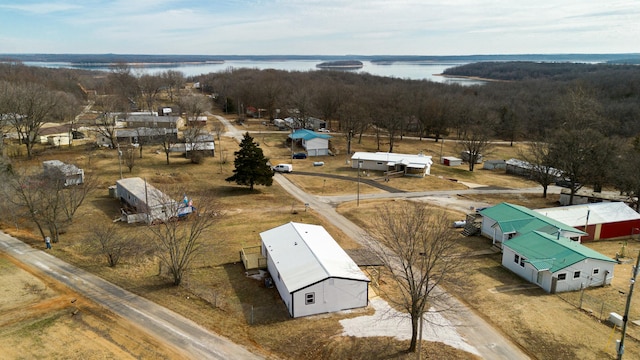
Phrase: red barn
x=605 y=220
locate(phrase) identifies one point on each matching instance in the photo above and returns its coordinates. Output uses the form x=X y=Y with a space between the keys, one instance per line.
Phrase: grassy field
x=220 y=296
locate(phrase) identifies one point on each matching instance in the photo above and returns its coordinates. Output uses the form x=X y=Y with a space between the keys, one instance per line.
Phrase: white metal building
x=312 y=273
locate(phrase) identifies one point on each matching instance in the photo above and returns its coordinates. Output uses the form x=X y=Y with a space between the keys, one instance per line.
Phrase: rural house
x=410 y=165
x=316 y=144
x=71 y=174
x=144 y=202
x=312 y=273
x=505 y=221
x=555 y=263
x=152 y=120
x=605 y=220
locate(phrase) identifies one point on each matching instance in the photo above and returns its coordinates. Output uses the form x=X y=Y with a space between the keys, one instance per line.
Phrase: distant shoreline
x=477 y=78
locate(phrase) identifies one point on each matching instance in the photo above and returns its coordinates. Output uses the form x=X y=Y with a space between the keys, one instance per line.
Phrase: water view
x=403 y=70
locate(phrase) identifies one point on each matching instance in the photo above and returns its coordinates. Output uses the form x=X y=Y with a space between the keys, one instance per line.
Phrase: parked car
x=566 y=183
x=299 y=156
x=284 y=168
x=323 y=130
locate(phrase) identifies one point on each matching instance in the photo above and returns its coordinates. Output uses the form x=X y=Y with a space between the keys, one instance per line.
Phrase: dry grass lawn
x=219 y=295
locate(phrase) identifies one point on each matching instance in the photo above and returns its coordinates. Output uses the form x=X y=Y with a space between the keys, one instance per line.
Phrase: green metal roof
x=308 y=135
x=547 y=252
x=515 y=218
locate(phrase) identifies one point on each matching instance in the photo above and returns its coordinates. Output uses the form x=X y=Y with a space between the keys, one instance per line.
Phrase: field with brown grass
x=219 y=295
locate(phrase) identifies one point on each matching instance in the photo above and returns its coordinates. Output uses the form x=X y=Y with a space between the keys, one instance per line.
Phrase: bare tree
x=476 y=140
x=48 y=201
x=193 y=106
x=173 y=80
x=129 y=157
x=27 y=109
x=105 y=125
x=416 y=245
x=115 y=243
x=150 y=87
x=179 y=239
x=538 y=154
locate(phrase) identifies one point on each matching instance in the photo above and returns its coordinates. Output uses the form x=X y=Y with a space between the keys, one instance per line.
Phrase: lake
x=414 y=70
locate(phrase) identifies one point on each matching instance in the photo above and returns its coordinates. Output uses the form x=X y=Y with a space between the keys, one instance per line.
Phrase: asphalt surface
x=191 y=339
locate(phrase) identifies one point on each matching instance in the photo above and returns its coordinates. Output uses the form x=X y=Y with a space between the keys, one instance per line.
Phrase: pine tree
x=251 y=165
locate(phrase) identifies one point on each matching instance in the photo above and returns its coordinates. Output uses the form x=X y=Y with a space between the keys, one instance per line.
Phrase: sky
x=320 y=27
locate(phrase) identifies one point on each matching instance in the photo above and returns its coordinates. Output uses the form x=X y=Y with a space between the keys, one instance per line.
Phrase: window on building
x=516 y=258
x=596 y=271
x=576 y=274
x=309 y=298
x=522 y=260
x=562 y=276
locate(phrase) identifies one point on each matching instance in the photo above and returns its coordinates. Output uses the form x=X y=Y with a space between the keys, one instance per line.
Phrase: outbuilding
x=411 y=165
x=312 y=273
x=450 y=161
x=555 y=263
x=604 y=220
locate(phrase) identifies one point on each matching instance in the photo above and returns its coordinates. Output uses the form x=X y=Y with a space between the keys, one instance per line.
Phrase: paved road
x=489 y=342
x=177 y=331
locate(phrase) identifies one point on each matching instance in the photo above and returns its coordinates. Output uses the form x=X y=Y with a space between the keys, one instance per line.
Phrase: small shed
x=312 y=273
x=605 y=220
x=316 y=144
x=450 y=161
x=555 y=263
x=411 y=165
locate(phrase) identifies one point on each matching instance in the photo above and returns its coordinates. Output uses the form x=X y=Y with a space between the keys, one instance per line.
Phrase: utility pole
x=625 y=318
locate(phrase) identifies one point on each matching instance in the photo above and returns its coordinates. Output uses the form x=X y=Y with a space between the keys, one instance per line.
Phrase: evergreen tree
x=251 y=165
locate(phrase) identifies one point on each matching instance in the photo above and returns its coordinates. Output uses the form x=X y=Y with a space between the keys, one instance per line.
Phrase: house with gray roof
x=410 y=165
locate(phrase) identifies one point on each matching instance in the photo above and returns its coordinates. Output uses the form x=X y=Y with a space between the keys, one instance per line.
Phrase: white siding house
x=505 y=221
x=412 y=165
x=312 y=273
x=555 y=263
x=316 y=144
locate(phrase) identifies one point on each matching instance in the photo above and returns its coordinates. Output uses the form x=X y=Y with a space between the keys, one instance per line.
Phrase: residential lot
x=219 y=295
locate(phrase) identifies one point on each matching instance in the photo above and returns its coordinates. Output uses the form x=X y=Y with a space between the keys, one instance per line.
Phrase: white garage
x=312 y=273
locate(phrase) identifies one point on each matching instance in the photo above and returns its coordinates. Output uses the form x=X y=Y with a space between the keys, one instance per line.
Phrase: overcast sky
x=325 y=27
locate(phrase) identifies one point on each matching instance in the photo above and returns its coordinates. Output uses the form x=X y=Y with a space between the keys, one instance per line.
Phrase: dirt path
x=171 y=328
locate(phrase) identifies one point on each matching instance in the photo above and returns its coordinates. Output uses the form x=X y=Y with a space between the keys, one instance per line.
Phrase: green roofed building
x=556 y=263
x=505 y=221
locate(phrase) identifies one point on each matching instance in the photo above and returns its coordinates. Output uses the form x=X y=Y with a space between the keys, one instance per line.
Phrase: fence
x=601 y=309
